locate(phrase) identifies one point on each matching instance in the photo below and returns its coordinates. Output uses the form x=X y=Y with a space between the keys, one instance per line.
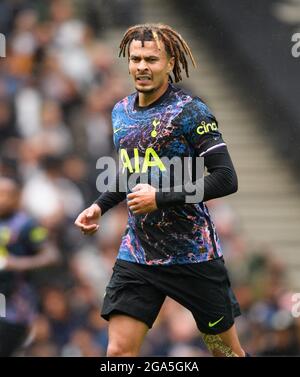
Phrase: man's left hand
x=142 y=199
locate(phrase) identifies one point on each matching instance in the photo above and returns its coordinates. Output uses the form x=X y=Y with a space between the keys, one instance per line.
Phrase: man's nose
x=142 y=65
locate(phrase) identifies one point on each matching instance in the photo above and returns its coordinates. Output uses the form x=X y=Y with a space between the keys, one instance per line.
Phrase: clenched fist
x=142 y=199
x=88 y=219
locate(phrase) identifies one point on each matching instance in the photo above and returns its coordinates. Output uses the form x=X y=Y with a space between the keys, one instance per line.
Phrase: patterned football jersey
x=176 y=125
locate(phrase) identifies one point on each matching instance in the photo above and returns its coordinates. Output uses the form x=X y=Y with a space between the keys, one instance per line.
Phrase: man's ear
x=171 y=64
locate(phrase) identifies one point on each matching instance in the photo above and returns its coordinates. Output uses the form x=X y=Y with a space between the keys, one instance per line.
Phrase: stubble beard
x=145 y=90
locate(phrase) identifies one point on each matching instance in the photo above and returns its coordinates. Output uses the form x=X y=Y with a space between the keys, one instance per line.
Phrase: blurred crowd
x=58 y=85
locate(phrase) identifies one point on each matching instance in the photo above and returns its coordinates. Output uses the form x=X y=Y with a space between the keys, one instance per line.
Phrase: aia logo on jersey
x=139 y=164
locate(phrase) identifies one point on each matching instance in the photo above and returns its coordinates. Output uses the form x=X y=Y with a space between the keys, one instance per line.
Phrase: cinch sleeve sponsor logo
x=204 y=128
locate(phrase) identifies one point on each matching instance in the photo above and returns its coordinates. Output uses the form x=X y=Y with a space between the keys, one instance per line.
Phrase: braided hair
x=175 y=45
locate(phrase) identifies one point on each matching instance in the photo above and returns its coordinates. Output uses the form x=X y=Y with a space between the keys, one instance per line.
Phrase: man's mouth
x=143 y=78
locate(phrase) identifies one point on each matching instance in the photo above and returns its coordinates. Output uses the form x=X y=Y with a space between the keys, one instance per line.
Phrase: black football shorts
x=203 y=288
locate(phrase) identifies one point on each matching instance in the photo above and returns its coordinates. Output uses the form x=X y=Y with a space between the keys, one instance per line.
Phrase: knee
x=119 y=349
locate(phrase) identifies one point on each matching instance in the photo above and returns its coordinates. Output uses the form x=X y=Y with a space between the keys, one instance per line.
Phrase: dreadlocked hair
x=175 y=45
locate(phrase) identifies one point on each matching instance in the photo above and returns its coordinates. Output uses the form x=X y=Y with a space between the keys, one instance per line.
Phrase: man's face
x=149 y=66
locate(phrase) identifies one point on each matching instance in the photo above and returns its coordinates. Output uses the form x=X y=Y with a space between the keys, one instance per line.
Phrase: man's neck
x=145 y=99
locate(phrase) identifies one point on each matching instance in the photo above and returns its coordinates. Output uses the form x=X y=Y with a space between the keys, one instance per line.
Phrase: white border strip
x=211 y=148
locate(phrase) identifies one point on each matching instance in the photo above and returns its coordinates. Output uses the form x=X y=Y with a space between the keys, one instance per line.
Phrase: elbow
x=234 y=183
x=230 y=183
x=234 y=188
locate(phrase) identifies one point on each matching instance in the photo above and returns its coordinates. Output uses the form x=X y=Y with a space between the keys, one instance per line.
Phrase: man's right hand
x=88 y=219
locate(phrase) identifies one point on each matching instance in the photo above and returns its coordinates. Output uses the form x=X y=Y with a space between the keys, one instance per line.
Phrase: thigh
x=125 y=334
x=130 y=294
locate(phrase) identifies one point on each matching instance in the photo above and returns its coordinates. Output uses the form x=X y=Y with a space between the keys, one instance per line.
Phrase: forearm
x=221 y=181
x=46 y=257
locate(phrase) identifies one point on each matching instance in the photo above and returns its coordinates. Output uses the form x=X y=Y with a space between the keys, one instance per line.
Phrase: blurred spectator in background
x=23 y=247
x=50 y=196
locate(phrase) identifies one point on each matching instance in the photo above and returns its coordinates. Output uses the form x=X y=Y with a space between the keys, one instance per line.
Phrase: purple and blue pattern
x=183 y=233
